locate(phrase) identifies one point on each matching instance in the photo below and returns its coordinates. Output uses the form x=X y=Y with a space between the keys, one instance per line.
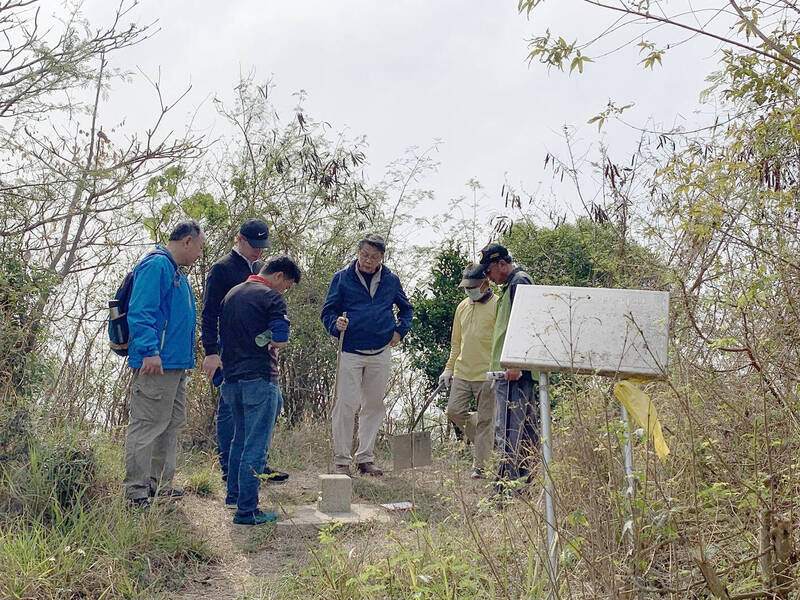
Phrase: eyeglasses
x=372 y=257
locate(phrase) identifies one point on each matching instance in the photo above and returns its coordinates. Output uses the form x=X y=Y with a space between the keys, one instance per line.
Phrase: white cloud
x=406 y=72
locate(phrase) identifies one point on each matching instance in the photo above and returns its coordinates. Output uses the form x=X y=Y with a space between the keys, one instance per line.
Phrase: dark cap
x=255 y=232
x=473 y=276
x=494 y=252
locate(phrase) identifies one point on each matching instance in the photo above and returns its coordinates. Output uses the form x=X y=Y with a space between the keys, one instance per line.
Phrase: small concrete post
x=336 y=493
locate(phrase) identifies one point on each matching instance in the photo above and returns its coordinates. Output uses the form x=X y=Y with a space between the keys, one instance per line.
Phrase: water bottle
x=113 y=309
x=113 y=317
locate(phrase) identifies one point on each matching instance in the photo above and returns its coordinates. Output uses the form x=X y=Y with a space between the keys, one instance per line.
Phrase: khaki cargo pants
x=459 y=405
x=158 y=411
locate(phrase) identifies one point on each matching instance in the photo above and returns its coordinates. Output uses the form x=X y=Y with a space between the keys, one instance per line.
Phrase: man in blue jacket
x=368 y=292
x=161 y=319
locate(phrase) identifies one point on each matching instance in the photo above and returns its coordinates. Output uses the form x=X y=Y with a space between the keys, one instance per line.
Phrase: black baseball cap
x=255 y=232
x=494 y=252
x=473 y=276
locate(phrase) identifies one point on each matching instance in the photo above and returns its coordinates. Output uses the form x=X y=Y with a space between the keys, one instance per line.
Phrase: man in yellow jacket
x=465 y=371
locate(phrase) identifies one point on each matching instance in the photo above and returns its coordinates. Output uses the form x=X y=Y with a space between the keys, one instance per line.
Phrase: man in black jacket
x=253 y=325
x=229 y=271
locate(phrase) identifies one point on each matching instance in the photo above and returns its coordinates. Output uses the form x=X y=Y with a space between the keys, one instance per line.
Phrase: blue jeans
x=254 y=405
x=225 y=431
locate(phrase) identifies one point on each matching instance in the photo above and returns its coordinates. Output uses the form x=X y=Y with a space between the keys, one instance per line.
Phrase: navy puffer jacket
x=372 y=319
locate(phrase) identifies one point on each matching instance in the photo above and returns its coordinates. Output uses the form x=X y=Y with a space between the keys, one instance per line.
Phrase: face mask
x=475 y=294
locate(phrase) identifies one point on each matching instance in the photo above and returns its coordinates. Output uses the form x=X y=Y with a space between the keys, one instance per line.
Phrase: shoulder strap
x=175 y=265
x=167 y=254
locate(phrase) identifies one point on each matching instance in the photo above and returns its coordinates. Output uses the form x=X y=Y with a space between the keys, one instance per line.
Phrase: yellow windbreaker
x=471 y=340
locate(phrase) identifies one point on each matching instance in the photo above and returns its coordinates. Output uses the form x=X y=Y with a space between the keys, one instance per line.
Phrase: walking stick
x=336 y=385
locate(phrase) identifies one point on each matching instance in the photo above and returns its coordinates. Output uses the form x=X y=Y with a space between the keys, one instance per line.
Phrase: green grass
x=305 y=446
x=203 y=479
x=68 y=533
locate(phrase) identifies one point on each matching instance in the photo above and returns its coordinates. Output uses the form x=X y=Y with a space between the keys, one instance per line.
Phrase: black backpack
x=118 y=332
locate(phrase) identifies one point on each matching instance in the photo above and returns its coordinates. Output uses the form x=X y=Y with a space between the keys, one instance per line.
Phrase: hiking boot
x=255 y=518
x=275 y=476
x=369 y=468
x=342 y=470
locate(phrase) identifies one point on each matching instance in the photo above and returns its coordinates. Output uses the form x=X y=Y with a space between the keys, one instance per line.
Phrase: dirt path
x=248 y=558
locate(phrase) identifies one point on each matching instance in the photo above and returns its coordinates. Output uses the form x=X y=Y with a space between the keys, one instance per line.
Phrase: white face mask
x=475 y=294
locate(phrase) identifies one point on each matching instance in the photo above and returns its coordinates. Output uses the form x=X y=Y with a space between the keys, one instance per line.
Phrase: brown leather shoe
x=342 y=470
x=369 y=468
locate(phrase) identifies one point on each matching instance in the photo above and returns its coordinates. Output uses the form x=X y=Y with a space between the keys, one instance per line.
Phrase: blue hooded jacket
x=162 y=316
x=372 y=320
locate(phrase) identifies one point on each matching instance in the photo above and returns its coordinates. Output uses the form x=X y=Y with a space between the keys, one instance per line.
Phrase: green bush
x=67 y=532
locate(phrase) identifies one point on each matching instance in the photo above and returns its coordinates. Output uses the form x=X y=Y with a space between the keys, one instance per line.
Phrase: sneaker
x=231 y=505
x=342 y=470
x=477 y=474
x=369 y=468
x=256 y=518
x=275 y=476
x=140 y=503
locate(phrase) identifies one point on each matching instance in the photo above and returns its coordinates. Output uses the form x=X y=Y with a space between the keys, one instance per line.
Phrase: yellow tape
x=642 y=410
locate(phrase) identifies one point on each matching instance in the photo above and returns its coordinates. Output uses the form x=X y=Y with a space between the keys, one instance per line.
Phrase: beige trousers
x=459 y=405
x=361 y=385
x=158 y=411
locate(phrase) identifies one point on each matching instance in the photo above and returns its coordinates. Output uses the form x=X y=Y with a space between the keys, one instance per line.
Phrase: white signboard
x=588 y=330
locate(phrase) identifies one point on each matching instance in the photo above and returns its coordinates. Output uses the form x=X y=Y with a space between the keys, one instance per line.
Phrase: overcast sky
x=407 y=72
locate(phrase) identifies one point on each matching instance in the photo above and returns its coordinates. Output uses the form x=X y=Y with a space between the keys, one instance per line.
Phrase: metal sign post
x=595 y=331
x=549 y=507
x=628 y=451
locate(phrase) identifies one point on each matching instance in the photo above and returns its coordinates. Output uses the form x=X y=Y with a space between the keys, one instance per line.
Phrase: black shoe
x=140 y=503
x=173 y=493
x=275 y=476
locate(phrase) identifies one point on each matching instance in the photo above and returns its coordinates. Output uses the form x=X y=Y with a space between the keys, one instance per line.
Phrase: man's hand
x=211 y=363
x=395 y=339
x=513 y=374
x=341 y=323
x=151 y=365
x=446 y=378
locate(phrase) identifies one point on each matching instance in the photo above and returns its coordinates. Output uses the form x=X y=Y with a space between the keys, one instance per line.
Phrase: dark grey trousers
x=516 y=428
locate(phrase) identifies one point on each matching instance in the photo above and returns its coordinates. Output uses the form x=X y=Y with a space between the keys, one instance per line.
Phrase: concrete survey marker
x=588 y=330
x=335 y=493
x=411 y=450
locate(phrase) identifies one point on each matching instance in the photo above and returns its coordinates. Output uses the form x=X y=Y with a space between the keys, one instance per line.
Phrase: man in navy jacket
x=368 y=292
x=162 y=319
x=229 y=271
